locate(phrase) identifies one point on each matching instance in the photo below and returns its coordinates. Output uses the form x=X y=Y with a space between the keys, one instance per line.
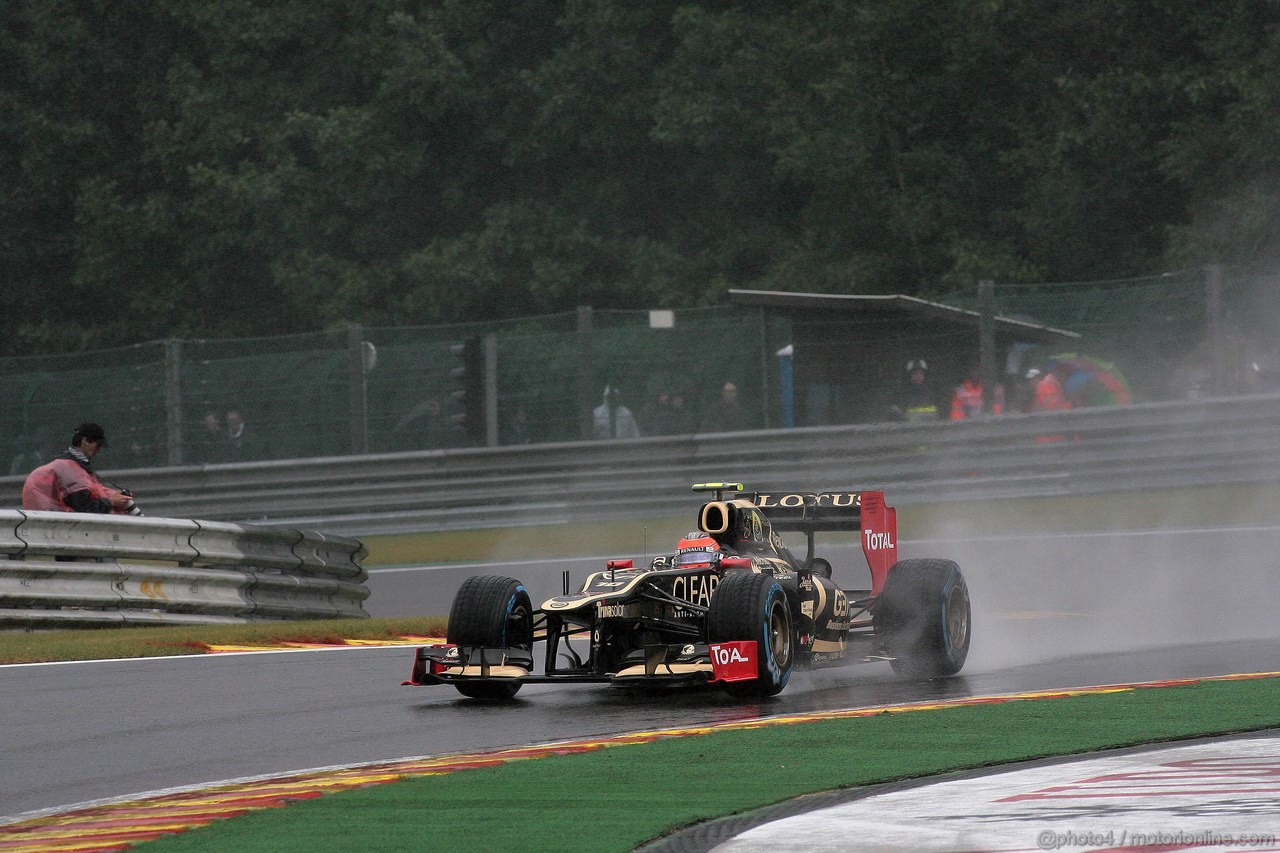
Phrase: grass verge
x=617 y=798
x=135 y=642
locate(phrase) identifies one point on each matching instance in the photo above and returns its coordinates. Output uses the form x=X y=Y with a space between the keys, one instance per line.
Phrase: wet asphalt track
x=1050 y=612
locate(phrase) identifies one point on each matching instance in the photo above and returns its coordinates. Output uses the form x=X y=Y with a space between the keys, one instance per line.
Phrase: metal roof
x=907 y=306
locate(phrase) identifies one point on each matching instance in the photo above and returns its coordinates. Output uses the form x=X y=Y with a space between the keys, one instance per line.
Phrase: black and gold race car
x=732 y=606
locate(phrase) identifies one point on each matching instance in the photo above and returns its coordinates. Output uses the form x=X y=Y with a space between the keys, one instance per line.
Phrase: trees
x=222 y=167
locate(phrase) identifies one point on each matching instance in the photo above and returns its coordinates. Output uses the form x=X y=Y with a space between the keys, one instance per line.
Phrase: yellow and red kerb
x=119 y=826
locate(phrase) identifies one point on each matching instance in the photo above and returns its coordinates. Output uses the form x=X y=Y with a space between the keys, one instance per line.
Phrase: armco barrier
x=1147 y=446
x=79 y=569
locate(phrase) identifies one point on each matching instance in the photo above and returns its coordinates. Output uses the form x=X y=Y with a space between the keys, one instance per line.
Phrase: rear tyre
x=923 y=618
x=748 y=606
x=494 y=612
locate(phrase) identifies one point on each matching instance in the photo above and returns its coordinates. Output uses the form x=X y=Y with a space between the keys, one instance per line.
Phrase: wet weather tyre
x=748 y=606
x=923 y=618
x=494 y=612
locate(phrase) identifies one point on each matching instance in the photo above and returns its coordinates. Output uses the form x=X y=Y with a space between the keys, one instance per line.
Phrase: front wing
x=658 y=665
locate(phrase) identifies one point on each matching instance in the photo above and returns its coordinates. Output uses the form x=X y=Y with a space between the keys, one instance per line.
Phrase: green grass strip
x=617 y=798
x=25 y=646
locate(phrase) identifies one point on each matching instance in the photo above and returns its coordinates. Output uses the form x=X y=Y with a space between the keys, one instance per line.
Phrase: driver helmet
x=696 y=549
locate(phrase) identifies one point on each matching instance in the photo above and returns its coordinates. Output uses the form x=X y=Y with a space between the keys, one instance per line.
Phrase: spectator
x=1047 y=394
x=725 y=414
x=211 y=445
x=239 y=441
x=681 y=415
x=139 y=455
x=668 y=415
x=1261 y=378
x=657 y=415
x=425 y=427
x=68 y=483
x=672 y=415
x=968 y=400
x=518 y=428
x=918 y=401
x=612 y=419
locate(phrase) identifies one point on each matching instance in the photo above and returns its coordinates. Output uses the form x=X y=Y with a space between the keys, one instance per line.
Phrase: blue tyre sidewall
x=769 y=669
x=511 y=608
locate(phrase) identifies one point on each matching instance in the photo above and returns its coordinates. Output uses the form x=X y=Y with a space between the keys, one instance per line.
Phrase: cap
x=89 y=431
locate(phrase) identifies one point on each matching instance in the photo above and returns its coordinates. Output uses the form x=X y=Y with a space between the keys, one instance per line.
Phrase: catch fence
x=392 y=389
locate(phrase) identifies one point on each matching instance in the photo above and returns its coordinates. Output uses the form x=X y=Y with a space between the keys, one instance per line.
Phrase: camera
x=132 y=506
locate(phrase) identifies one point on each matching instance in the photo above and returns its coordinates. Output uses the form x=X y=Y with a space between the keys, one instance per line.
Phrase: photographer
x=69 y=484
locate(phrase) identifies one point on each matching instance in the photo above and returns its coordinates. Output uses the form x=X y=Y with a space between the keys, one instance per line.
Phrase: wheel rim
x=957 y=617
x=518 y=630
x=780 y=634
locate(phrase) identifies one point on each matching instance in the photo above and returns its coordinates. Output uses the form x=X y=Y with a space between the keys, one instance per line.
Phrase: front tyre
x=494 y=612
x=923 y=618
x=748 y=606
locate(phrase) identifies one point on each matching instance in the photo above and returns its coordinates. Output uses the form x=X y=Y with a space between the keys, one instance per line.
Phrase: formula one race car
x=732 y=607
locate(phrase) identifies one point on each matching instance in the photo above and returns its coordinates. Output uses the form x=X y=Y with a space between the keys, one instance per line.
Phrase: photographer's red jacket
x=66 y=485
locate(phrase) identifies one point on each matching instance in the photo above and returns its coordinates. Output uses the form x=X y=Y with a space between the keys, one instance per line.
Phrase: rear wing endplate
x=815 y=512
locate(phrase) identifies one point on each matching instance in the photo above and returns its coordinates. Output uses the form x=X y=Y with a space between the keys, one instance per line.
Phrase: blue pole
x=786 y=386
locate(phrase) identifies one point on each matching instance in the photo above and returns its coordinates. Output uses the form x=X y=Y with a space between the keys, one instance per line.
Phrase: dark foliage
x=215 y=168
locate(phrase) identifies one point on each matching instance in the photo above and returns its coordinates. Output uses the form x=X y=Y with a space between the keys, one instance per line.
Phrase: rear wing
x=815 y=512
x=812 y=511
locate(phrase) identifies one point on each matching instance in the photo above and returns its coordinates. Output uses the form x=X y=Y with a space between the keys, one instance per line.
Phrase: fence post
x=490 y=348
x=174 y=444
x=766 y=384
x=987 y=344
x=786 y=385
x=357 y=389
x=1216 y=331
x=586 y=392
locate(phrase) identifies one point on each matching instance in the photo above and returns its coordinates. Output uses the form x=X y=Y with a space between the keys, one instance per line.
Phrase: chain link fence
x=1162 y=333
x=392 y=389
x=381 y=390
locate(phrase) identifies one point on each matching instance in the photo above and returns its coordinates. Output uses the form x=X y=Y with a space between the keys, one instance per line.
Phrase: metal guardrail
x=1084 y=451
x=75 y=569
